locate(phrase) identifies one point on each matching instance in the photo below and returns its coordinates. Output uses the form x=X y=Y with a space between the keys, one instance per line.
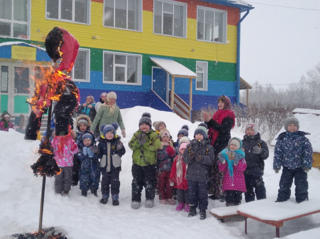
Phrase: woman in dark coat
x=219 y=126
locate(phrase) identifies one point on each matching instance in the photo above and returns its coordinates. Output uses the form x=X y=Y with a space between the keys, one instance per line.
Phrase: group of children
x=181 y=167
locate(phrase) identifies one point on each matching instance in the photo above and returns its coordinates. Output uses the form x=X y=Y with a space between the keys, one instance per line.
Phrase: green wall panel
x=4 y=103
x=20 y=104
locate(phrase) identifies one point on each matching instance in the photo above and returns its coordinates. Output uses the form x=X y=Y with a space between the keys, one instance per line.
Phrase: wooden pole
x=44 y=177
x=190 y=99
x=172 y=94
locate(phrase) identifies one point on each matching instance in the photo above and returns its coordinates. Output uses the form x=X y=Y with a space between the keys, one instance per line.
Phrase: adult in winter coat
x=111 y=150
x=256 y=151
x=102 y=100
x=109 y=113
x=220 y=126
x=5 y=123
x=87 y=108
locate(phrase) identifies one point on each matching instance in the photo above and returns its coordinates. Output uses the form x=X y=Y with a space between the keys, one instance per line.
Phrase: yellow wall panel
x=131 y=41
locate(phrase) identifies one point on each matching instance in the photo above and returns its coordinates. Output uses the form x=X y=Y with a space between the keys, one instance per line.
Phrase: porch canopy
x=176 y=69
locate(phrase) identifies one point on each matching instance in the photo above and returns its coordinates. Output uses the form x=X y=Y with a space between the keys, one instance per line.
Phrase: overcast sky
x=280 y=44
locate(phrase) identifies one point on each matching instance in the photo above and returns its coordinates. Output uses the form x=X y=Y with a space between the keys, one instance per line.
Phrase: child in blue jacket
x=293 y=152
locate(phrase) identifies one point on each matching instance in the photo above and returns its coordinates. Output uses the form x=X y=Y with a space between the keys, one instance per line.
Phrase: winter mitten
x=221 y=159
x=90 y=153
x=306 y=169
x=236 y=161
x=171 y=152
x=257 y=150
x=142 y=138
x=85 y=151
x=119 y=145
x=95 y=149
x=123 y=133
x=276 y=170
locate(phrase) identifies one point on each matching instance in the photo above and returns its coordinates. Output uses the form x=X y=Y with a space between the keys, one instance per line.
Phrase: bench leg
x=277 y=232
x=245 y=226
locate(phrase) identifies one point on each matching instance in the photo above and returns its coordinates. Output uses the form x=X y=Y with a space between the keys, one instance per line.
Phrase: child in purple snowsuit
x=232 y=163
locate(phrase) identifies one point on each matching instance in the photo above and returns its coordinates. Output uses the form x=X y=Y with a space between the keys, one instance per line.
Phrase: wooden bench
x=283 y=212
x=223 y=213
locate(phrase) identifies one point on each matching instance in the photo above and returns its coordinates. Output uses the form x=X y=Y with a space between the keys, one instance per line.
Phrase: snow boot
x=84 y=193
x=229 y=204
x=180 y=206
x=94 y=192
x=66 y=193
x=115 y=202
x=149 y=203
x=187 y=208
x=171 y=202
x=163 y=201
x=104 y=200
x=192 y=211
x=135 y=205
x=203 y=214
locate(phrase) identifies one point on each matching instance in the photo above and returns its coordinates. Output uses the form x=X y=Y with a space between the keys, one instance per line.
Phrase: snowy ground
x=83 y=218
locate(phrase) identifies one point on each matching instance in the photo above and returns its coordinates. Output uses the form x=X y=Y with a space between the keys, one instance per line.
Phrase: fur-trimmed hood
x=83 y=117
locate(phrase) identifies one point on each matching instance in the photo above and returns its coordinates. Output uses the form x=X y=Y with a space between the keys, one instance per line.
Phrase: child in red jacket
x=178 y=179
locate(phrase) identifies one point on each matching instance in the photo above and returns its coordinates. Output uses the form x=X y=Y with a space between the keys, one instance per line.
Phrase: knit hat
x=92 y=98
x=227 y=102
x=87 y=136
x=184 y=139
x=103 y=94
x=253 y=127
x=235 y=141
x=157 y=124
x=291 y=120
x=183 y=146
x=164 y=132
x=83 y=121
x=184 y=131
x=145 y=119
x=109 y=127
x=201 y=129
x=111 y=95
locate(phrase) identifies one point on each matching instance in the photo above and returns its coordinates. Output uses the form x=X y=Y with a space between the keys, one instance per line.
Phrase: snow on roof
x=279 y=211
x=309 y=123
x=306 y=111
x=173 y=68
x=243 y=6
x=20 y=43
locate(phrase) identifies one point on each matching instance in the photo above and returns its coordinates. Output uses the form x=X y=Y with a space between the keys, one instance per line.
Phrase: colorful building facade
x=118 y=37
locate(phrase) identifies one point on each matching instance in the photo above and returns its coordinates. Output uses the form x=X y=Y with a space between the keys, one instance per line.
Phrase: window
x=81 y=68
x=170 y=18
x=202 y=75
x=14 y=16
x=69 y=10
x=212 y=25
x=125 y=14
x=122 y=68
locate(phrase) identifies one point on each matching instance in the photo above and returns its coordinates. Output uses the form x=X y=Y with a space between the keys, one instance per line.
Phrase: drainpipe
x=238 y=57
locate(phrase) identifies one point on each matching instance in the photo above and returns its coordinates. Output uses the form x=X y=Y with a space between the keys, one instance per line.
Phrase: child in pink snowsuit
x=232 y=163
x=64 y=147
x=178 y=179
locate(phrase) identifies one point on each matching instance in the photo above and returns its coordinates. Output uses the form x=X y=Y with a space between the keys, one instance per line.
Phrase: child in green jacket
x=144 y=144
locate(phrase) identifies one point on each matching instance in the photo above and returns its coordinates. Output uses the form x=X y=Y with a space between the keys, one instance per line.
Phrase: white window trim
x=141 y=18
x=87 y=67
x=225 y=24
x=185 y=8
x=73 y=16
x=205 y=76
x=139 y=77
x=12 y=21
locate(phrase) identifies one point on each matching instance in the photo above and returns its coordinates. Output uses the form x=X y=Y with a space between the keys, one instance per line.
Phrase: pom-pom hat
x=109 y=128
x=145 y=119
x=184 y=131
x=201 y=129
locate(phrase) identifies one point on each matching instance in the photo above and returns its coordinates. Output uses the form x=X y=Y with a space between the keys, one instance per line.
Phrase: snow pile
x=84 y=217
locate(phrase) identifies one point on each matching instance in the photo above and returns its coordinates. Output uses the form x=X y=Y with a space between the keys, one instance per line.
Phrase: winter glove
x=142 y=138
x=85 y=151
x=276 y=170
x=257 y=150
x=221 y=159
x=306 y=169
x=95 y=149
x=171 y=152
x=119 y=145
x=90 y=152
x=123 y=131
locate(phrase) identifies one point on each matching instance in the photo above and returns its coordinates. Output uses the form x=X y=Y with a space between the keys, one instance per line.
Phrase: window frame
x=185 y=20
x=12 y=21
x=139 y=68
x=73 y=15
x=205 y=75
x=225 y=24
x=87 y=66
x=114 y=16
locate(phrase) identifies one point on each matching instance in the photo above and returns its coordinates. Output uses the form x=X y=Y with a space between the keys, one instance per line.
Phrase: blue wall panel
x=42 y=56
x=5 y=52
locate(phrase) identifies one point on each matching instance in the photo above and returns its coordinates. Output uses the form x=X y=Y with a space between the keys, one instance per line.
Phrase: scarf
x=219 y=116
x=230 y=161
x=5 y=123
x=179 y=170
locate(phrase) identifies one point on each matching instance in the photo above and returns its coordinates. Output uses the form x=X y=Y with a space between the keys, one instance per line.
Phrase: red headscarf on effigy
x=219 y=116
